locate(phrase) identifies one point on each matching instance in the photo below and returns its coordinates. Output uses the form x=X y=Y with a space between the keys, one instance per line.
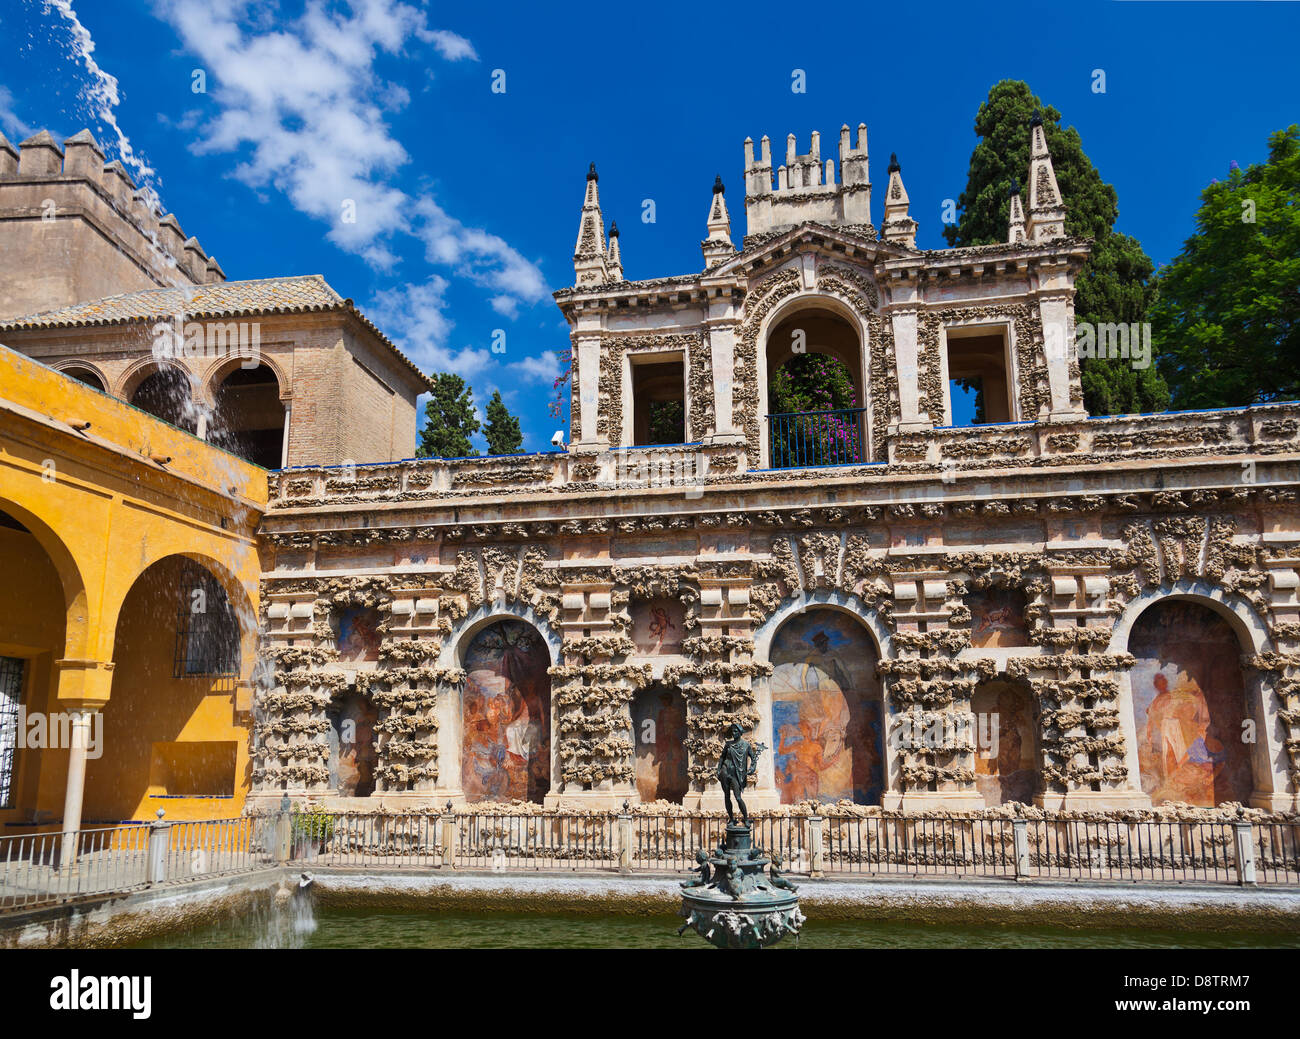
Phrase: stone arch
x=473 y=762
x=824 y=707
x=1169 y=676
x=221 y=368
x=76 y=602
x=833 y=599
x=249 y=412
x=169 y=663
x=841 y=309
x=85 y=372
x=151 y=385
x=128 y=380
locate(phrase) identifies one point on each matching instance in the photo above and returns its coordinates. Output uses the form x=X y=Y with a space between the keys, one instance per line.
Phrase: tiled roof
x=302 y=294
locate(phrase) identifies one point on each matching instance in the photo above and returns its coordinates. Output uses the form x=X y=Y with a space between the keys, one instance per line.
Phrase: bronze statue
x=774 y=874
x=705 y=871
x=739 y=761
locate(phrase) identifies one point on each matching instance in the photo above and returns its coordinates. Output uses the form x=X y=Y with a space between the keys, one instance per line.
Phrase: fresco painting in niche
x=358 y=634
x=352 y=747
x=1189 y=701
x=659 y=728
x=506 y=711
x=658 y=625
x=997 y=618
x=1006 y=760
x=826 y=716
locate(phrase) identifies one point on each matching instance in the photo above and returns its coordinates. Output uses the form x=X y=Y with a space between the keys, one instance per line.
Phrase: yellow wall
x=31 y=628
x=104 y=506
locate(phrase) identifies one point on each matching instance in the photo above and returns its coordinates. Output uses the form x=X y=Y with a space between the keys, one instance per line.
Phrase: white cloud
x=451 y=46
x=305 y=105
x=14 y=128
x=545 y=368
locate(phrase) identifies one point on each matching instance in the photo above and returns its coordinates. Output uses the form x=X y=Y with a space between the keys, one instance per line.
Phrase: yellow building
x=128 y=610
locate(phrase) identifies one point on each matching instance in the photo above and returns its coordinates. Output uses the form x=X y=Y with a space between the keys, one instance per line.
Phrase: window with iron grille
x=11 y=698
x=207 y=637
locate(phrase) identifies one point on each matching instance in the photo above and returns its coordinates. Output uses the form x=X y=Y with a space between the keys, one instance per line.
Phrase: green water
x=372 y=929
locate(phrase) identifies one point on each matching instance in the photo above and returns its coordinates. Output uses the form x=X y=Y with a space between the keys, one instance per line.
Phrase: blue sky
x=468 y=199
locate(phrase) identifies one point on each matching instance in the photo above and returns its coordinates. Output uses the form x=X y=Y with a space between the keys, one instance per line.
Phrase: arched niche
x=659 y=738
x=827 y=711
x=505 y=713
x=1008 y=764
x=1193 y=723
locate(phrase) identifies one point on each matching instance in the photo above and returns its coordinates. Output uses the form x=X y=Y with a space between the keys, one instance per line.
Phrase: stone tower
x=74 y=228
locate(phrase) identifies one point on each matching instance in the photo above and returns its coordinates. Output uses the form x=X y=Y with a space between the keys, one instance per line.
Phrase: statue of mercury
x=739 y=761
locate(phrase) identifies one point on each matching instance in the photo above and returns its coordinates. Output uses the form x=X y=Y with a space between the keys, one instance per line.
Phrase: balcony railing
x=801 y=439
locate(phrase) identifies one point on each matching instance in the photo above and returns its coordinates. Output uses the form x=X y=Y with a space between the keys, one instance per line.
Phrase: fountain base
x=740 y=901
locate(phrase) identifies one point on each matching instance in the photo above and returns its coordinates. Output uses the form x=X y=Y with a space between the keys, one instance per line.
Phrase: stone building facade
x=1085 y=613
x=99 y=284
x=76 y=228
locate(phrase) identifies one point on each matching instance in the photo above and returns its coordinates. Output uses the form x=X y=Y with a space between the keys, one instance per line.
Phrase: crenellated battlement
x=806 y=187
x=74 y=228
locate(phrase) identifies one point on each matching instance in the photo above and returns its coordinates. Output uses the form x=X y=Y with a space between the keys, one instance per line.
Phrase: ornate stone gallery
x=1089 y=613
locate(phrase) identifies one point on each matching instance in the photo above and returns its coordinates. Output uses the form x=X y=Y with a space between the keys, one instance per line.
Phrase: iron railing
x=39 y=868
x=44 y=868
x=801 y=439
x=47 y=868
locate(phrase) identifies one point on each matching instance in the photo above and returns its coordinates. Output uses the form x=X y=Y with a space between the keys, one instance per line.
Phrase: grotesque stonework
x=1083 y=524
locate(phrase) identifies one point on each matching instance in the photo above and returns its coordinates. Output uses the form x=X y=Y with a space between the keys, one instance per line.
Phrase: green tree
x=1228 y=316
x=449 y=419
x=502 y=429
x=1116 y=283
x=810 y=382
x=815 y=383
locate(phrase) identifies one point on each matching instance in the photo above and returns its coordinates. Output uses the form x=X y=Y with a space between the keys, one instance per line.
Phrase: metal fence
x=39 y=868
x=884 y=844
x=463 y=841
x=213 y=847
x=918 y=846
x=812 y=438
x=46 y=868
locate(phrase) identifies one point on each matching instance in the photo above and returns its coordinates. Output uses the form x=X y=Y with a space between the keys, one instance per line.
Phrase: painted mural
x=1006 y=765
x=506 y=711
x=358 y=634
x=658 y=625
x=826 y=716
x=1189 y=702
x=353 y=755
x=659 y=729
x=997 y=618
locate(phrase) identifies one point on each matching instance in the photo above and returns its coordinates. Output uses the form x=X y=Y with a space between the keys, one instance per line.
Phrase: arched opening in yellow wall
x=32 y=637
x=169 y=737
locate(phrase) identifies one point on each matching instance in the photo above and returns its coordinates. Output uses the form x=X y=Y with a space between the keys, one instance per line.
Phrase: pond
x=404 y=929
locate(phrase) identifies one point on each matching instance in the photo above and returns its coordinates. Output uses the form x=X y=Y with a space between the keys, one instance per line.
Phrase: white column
x=75 y=790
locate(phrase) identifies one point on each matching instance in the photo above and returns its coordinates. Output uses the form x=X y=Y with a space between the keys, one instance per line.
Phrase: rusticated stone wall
x=1085 y=564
